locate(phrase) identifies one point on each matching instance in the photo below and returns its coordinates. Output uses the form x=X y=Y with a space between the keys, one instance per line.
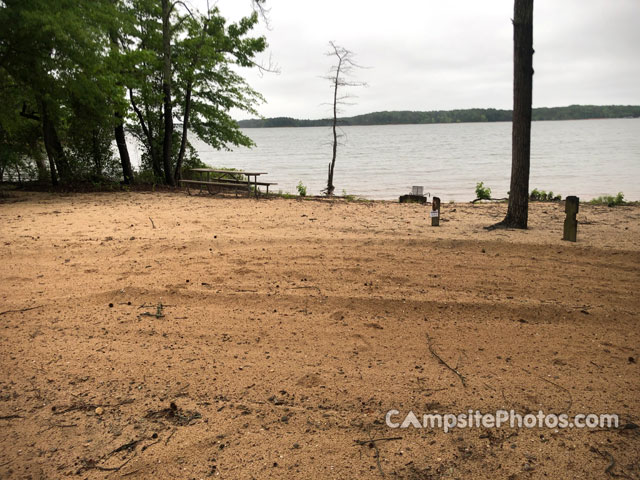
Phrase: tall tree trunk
x=55 y=152
x=518 y=211
x=121 y=141
x=166 y=91
x=187 y=104
x=185 y=131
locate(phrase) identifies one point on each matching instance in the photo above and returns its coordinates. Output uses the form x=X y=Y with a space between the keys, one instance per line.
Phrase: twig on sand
x=9 y=417
x=21 y=309
x=91 y=464
x=371 y=443
x=170 y=435
x=460 y=376
x=612 y=463
x=152 y=224
x=130 y=473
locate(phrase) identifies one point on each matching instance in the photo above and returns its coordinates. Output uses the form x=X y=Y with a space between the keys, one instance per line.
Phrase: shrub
x=482 y=192
x=302 y=190
x=609 y=200
x=542 y=196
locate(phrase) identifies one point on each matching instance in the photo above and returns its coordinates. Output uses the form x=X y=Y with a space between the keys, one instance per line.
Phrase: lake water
x=586 y=158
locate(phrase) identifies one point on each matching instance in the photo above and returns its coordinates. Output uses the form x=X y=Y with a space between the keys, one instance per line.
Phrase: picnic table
x=226 y=180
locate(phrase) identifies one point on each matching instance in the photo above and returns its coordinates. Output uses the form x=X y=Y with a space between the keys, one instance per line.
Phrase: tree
x=518 y=210
x=207 y=85
x=339 y=77
x=56 y=58
x=196 y=81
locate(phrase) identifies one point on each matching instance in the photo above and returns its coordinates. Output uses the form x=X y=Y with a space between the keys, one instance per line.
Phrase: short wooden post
x=570 y=223
x=435 y=211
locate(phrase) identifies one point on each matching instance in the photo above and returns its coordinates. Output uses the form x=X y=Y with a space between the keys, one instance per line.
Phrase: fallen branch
x=152 y=224
x=91 y=464
x=460 y=376
x=490 y=199
x=9 y=417
x=21 y=309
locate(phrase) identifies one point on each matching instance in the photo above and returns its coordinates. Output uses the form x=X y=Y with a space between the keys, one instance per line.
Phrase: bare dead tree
x=260 y=8
x=339 y=76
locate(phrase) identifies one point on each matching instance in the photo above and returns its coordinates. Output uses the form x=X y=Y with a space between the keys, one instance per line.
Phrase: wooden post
x=435 y=211
x=570 y=223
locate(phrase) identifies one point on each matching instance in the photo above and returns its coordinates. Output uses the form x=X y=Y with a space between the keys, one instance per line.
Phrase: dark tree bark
x=518 y=211
x=166 y=91
x=121 y=141
x=334 y=126
x=185 y=131
x=55 y=152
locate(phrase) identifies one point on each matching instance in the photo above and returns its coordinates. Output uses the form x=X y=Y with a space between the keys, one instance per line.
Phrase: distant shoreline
x=472 y=115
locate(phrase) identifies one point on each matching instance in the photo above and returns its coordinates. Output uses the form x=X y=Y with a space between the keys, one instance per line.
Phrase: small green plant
x=482 y=192
x=302 y=190
x=347 y=197
x=609 y=200
x=282 y=194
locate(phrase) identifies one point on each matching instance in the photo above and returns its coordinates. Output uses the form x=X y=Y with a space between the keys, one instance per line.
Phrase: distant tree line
x=472 y=115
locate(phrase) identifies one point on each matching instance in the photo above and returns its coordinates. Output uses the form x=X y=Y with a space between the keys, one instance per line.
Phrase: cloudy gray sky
x=440 y=55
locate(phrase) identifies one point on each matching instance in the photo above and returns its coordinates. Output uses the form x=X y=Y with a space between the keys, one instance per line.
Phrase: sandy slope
x=289 y=328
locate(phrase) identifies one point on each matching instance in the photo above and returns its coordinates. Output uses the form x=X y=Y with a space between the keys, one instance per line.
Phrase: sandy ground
x=287 y=329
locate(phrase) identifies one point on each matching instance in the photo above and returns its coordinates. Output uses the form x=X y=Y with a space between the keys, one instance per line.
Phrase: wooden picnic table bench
x=234 y=180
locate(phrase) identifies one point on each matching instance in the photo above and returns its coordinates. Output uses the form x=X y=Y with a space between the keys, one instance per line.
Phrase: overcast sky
x=441 y=55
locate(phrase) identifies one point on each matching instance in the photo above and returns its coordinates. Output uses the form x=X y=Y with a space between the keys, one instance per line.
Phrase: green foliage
x=74 y=69
x=482 y=192
x=609 y=200
x=302 y=190
x=148 y=177
x=53 y=74
x=542 y=196
x=206 y=85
